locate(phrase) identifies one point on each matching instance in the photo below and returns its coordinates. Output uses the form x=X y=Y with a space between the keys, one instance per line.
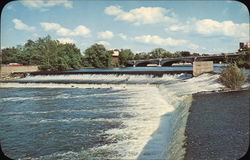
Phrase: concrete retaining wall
x=6 y=71
x=200 y=67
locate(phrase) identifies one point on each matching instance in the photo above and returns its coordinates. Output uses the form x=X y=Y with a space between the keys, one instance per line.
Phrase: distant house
x=115 y=56
x=244 y=47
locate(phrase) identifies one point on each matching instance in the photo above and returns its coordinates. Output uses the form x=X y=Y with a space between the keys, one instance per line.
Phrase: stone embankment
x=218 y=125
x=14 y=72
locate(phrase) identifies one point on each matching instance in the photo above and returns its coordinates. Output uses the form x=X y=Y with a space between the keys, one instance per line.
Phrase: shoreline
x=218 y=125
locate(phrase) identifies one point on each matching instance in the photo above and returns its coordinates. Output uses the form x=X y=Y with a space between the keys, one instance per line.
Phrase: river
x=98 y=116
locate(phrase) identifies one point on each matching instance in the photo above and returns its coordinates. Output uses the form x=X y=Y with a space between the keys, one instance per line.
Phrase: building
x=244 y=47
x=248 y=45
x=115 y=56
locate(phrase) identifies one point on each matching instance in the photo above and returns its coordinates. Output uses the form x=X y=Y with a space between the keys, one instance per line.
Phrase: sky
x=210 y=27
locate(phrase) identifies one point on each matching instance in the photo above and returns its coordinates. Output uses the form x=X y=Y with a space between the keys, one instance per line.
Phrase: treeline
x=162 y=53
x=243 y=60
x=48 y=54
x=51 y=55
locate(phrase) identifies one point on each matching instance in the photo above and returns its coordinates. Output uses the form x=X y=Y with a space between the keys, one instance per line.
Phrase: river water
x=102 y=116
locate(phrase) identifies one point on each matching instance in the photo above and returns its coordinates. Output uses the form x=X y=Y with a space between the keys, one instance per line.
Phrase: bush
x=232 y=76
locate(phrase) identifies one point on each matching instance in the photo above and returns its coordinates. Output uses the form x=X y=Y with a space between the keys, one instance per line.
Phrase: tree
x=141 y=55
x=9 y=55
x=243 y=60
x=48 y=54
x=195 y=54
x=125 y=55
x=177 y=54
x=205 y=54
x=30 y=49
x=97 y=56
x=159 y=53
x=185 y=53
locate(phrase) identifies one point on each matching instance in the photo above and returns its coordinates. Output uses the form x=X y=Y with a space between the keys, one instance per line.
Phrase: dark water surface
x=36 y=122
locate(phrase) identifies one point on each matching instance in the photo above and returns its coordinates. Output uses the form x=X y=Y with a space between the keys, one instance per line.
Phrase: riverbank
x=218 y=125
x=8 y=72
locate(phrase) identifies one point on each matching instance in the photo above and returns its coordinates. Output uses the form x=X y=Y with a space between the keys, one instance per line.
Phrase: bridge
x=170 y=61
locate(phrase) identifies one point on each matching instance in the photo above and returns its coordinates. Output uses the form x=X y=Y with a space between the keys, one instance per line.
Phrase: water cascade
x=136 y=116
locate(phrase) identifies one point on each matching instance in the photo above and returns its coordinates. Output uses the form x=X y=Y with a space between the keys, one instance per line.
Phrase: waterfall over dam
x=95 y=116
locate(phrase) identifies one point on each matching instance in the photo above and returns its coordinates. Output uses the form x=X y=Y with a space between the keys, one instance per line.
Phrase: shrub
x=232 y=76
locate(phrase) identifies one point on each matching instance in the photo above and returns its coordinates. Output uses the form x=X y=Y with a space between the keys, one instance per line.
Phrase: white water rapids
x=156 y=131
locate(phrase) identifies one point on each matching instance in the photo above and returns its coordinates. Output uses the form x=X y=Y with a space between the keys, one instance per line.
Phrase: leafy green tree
x=15 y=55
x=159 y=53
x=185 y=53
x=9 y=55
x=141 y=55
x=48 y=54
x=31 y=52
x=97 y=56
x=71 y=55
x=204 y=54
x=243 y=60
x=195 y=54
x=177 y=54
x=125 y=55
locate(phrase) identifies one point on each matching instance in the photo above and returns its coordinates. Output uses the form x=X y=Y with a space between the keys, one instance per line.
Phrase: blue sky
x=198 y=26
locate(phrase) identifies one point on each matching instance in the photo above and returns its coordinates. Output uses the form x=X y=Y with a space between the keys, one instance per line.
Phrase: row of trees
x=162 y=53
x=51 y=55
x=48 y=54
x=98 y=56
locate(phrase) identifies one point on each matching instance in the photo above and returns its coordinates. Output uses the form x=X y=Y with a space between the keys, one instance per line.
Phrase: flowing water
x=98 y=116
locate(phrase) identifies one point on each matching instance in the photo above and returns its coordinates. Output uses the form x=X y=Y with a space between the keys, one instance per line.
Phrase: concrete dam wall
x=200 y=67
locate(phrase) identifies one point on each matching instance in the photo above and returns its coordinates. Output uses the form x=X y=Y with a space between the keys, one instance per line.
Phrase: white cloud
x=122 y=36
x=177 y=28
x=78 y=31
x=21 y=26
x=50 y=26
x=105 y=43
x=226 y=28
x=113 y=10
x=82 y=30
x=142 y=15
x=46 y=3
x=211 y=27
x=153 y=39
x=66 y=40
x=106 y=35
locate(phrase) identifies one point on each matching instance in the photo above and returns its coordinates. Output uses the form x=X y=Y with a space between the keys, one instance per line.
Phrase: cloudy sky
x=196 y=26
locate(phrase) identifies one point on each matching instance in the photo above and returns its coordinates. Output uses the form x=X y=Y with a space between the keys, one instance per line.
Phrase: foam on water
x=102 y=78
x=62 y=96
x=156 y=129
x=70 y=85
